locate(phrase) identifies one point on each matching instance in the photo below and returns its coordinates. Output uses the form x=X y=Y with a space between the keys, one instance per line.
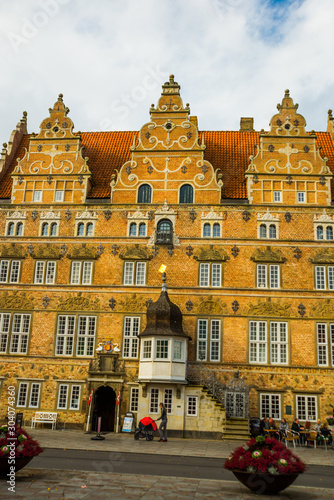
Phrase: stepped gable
x=163 y=317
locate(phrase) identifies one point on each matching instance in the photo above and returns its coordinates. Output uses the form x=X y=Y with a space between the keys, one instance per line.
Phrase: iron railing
x=163 y=238
x=199 y=374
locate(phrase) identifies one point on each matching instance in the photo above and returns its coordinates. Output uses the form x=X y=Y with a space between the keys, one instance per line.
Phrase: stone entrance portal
x=104 y=406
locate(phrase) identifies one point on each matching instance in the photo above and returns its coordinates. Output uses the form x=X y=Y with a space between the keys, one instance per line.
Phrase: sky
x=109 y=59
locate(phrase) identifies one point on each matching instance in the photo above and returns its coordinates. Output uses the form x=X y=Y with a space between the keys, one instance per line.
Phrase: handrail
x=200 y=374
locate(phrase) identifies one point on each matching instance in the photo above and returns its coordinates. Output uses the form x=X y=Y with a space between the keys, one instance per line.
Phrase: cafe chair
x=290 y=437
x=312 y=438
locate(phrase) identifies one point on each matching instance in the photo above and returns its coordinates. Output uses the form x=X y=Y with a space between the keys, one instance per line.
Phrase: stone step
x=234 y=437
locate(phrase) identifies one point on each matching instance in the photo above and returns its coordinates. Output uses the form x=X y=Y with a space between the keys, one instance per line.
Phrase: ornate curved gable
x=288 y=162
x=167 y=155
x=83 y=252
x=53 y=162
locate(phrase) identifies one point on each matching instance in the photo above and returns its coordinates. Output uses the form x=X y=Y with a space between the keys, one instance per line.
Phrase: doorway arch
x=104 y=407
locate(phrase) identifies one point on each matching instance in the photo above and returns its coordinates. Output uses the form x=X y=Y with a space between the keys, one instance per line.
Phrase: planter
x=265 y=484
x=19 y=464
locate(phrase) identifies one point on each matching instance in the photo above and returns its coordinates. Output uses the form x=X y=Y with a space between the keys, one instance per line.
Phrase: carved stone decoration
x=288 y=217
x=107 y=214
x=210 y=254
x=30 y=249
x=192 y=215
x=87 y=215
x=235 y=306
x=323 y=309
x=46 y=252
x=50 y=215
x=114 y=249
x=189 y=305
x=212 y=215
x=267 y=216
x=83 y=252
x=16 y=215
x=16 y=300
x=68 y=214
x=12 y=251
x=34 y=215
x=269 y=308
x=235 y=251
x=325 y=256
x=211 y=305
x=100 y=250
x=76 y=302
x=297 y=253
x=268 y=255
x=138 y=215
x=135 y=252
x=301 y=310
x=324 y=217
x=63 y=249
x=112 y=303
x=46 y=301
x=133 y=303
x=189 y=251
x=246 y=215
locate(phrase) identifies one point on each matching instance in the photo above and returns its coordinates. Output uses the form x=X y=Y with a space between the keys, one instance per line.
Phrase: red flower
x=26 y=446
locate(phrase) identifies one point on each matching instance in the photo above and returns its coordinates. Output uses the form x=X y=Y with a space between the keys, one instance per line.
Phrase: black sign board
x=288 y=410
x=19 y=419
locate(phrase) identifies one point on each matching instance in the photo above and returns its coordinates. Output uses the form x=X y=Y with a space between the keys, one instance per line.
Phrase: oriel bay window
x=162 y=349
x=75 y=335
x=276 y=349
x=134 y=273
x=208 y=339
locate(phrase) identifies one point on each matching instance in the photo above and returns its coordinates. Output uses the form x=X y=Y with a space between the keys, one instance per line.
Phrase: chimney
x=246 y=124
x=193 y=119
x=330 y=123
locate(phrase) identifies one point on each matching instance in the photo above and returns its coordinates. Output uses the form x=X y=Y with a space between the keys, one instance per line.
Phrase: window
x=267 y=276
x=213 y=229
x=277 y=196
x=69 y=397
x=45 y=272
x=4 y=331
x=207 y=230
x=192 y=406
x=134 y=273
x=59 y=195
x=161 y=351
x=137 y=229
x=208 y=336
x=10 y=271
x=154 y=400
x=20 y=334
x=209 y=275
x=144 y=194
x=306 y=408
x=147 y=349
x=178 y=350
x=257 y=341
x=270 y=406
x=165 y=232
x=186 y=194
x=268 y=230
x=130 y=337
x=84 y=338
x=134 y=397
x=133 y=229
x=216 y=230
x=168 y=400
x=15 y=229
x=49 y=229
x=28 y=395
x=37 y=196
x=324 y=232
x=324 y=277
x=142 y=229
x=300 y=197
x=325 y=343
x=81 y=272
x=278 y=342
x=85 y=229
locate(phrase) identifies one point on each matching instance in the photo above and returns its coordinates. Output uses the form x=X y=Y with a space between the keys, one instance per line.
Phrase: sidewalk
x=35 y=484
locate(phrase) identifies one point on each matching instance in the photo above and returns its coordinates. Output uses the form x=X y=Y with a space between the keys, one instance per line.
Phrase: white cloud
x=109 y=58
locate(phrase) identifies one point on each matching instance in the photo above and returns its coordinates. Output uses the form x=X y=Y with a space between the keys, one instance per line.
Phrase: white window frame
x=306 y=400
x=324 y=277
x=207 y=339
x=154 y=400
x=265 y=276
x=131 y=330
x=178 y=347
x=147 y=349
x=192 y=406
x=277 y=197
x=207 y=271
x=31 y=387
x=22 y=335
x=162 y=342
x=68 y=389
x=325 y=346
x=271 y=404
x=78 y=332
x=42 y=275
x=5 y=325
x=134 y=399
x=79 y=275
x=59 y=193
x=257 y=340
x=279 y=344
x=267 y=225
x=324 y=227
x=86 y=335
x=9 y=265
x=301 y=197
x=168 y=400
x=134 y=273
x=37 y=196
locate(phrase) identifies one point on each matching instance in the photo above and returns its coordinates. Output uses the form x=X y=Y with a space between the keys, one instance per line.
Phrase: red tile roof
x=227 y=150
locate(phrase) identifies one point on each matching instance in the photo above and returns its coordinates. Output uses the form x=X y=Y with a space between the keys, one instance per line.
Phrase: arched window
x=165 y=232
x=45 y=229
x=320 y=233
x=19 y=229
x=89 y=229
x=10 y=230
x=272 y=231
x=207 y=230
x=81 y=229
x=144 y=194
x=263 y=231
x=53 y=229
x=133 y=229
x=216 y=230
x=186 y=194
x=142 y=229
x=329 y=233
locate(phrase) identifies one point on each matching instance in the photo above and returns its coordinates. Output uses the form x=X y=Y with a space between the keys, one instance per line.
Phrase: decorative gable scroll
x=12 y=251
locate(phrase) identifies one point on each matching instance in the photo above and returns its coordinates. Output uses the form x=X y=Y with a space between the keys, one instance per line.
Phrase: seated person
x=317 y=426
x=264 y=424
x=326 y=433
x=296 y=428
x=283 y=427
x=272 y=426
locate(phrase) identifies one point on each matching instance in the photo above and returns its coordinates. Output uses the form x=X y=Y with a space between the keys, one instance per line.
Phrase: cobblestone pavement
x=43 y=484
x=78 y=440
